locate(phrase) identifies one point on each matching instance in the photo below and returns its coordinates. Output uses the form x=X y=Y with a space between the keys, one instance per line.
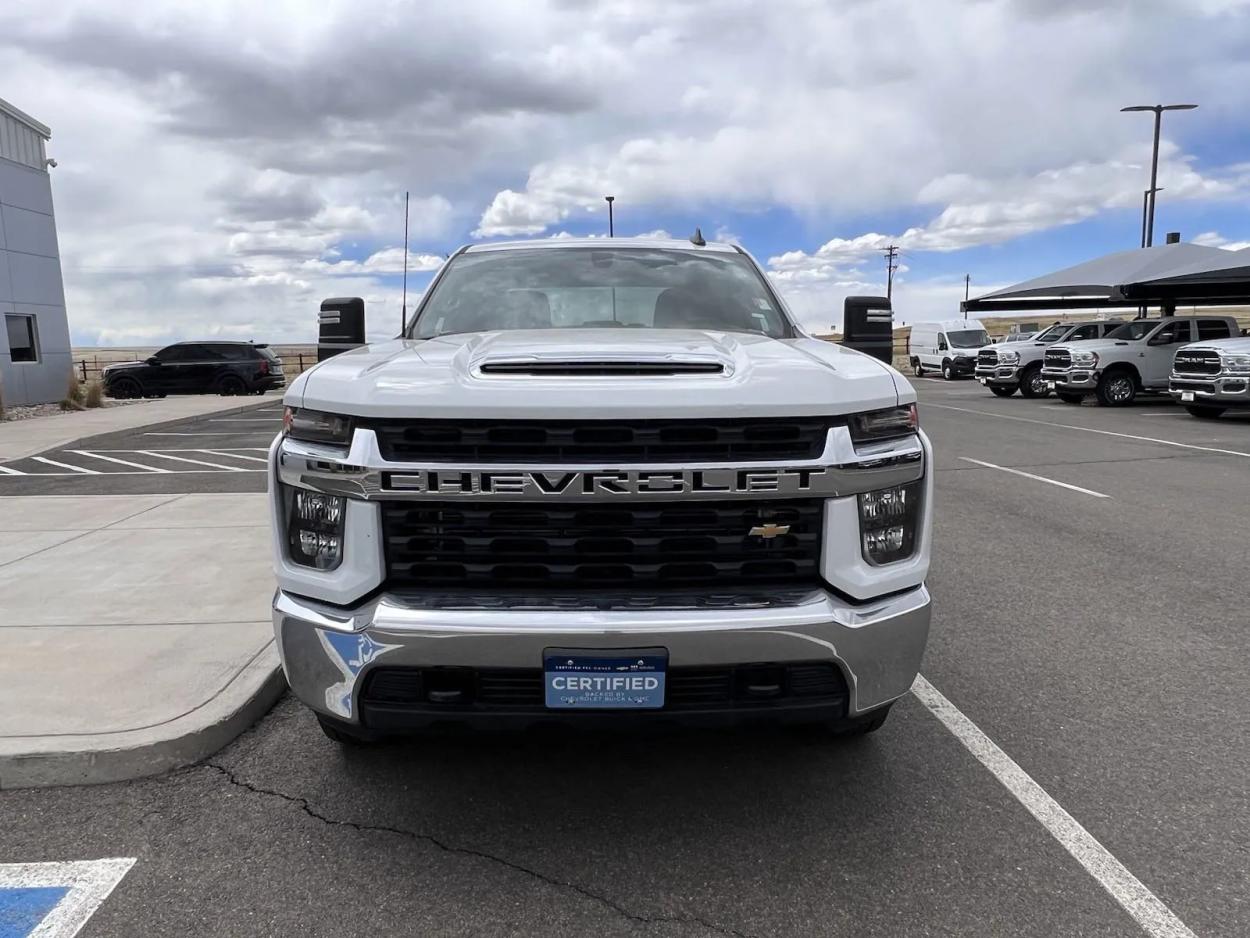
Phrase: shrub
x=73 y=393
x=95 y=394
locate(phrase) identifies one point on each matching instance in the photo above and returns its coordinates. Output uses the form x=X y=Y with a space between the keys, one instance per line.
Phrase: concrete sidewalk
x=137 y=632
x=22 y=438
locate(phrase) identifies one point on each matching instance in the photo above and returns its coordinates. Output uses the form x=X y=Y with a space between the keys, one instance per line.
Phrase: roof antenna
x=697 y=238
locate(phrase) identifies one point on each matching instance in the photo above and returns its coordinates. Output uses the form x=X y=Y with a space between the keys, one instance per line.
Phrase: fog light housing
x=888 y=519
x=315 y=529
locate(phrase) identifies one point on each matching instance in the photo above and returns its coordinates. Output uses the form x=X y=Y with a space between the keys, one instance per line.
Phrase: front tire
x=1001 y=391
x=1116 y=389
x=1032 y=384
x=126 y=389
x=231 y=385
x=1069 y=398
x=948 y=373
x=1205 y=412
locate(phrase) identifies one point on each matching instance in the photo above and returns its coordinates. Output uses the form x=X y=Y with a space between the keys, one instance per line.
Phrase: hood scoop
x=601 y=369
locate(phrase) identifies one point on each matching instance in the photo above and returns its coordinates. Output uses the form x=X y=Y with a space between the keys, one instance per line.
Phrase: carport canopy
x=1096 y=283
x=1225 y=278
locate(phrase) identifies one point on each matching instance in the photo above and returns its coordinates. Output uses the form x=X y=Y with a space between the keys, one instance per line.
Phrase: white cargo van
x=949 y=346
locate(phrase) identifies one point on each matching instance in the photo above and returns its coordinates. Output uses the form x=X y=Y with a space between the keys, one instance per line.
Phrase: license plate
x=612 y=679
x=1050 y=385
x=1187 y=396
x=985 y=380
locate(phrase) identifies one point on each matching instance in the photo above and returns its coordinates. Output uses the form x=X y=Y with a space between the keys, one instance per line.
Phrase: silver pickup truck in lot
x=1208 y=378
x=598 y=481
x=1017 y=364
x=1134 y=358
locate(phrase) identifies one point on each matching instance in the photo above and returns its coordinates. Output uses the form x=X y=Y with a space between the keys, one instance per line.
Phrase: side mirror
x=1166 y=339
x=341 y=326
x=152 y=361
x=868 y=326
x=942 y=345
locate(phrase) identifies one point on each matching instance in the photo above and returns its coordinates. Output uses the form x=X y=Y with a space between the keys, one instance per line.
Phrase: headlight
x=888 y=519
x=314 y=426
x=1007 y=357
x=1084 y=357
x=1236 y=364
x=884 y=424
x=315 y=528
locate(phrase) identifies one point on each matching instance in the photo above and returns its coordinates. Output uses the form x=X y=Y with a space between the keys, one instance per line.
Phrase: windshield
x=968 y=338
x=1134 y=330
x=1053 y=334
x=600 y=288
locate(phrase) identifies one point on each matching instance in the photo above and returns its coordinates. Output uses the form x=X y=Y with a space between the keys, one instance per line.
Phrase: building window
x=22 y=345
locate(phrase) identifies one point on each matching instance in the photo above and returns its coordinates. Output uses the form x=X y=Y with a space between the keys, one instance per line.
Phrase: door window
x=1172 y=333
x=1213 y=329
x=21 y=332
x=1084 y=332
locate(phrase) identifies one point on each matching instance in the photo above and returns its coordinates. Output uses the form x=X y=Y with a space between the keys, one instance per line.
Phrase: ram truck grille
x=1196 y=363
x=642 y=544
x=561 y=442
x=1058 y=358
x=987 y=357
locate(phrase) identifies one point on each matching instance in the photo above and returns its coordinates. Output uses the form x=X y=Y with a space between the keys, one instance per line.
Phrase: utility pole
x=1158 y=110
x=967 y=286
x=891 y=252
x=403 y=310
x=610 y=199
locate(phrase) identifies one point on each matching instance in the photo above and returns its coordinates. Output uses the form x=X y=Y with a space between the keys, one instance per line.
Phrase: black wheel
x=229 y=385
x=1116 y=389
x=948 y=373
x=1032 y=384
x=917 y=369
x=1204 y=411
x=1001 y=391
x=126 y=388
x=1069 y=398
x=343 y=735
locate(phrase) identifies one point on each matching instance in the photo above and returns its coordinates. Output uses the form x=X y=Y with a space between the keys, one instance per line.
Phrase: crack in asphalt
x=309 y=809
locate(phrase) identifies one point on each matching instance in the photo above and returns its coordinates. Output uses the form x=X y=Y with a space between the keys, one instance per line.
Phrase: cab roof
x=713 y=247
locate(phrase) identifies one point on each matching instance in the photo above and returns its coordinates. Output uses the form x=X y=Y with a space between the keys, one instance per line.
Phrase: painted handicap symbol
x=55 y=900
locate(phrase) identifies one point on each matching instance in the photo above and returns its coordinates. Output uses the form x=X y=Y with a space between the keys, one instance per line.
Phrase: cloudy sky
x=225 y=165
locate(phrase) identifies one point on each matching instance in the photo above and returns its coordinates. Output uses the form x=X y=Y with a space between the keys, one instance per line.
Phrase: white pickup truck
x=1211 y=377
x=1134 y=358
x=1017 y=365
x=597 y=481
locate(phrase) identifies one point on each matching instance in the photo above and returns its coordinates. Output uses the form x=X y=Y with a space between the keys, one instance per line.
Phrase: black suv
x=198 y=368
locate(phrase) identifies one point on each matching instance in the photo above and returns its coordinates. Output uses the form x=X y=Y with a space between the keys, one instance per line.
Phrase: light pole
x=1158 y=110
x=1145 y=202
x=610 y=199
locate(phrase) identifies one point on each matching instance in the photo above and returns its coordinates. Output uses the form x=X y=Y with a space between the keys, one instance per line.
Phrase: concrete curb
x=42 y=761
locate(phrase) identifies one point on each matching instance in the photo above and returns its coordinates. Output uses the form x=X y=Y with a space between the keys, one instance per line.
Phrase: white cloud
x=1214 y=239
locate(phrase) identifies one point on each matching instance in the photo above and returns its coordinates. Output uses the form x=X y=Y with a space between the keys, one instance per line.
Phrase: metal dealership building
x=35 y=356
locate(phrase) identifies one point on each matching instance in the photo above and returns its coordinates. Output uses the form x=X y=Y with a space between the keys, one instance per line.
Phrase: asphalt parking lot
x=1089 y=619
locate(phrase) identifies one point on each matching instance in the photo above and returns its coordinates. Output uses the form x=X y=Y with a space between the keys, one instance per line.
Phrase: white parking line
x=11 y=472
x=198 y=462
x=1155 y=918
x=61 y=465
x=243 y=420
x=1029 y=475
x=122 y=462
x=1069 y=426
x=1161 y=414
x=213 y=452
x=88 y=884
x=202 y=433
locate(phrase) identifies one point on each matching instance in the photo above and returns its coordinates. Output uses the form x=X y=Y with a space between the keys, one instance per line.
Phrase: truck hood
x=1237 y=346
x=1096 y=345
x=444 y=377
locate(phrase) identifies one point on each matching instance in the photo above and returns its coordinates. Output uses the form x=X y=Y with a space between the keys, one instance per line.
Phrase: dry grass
x=73 y=393
x=95 y=394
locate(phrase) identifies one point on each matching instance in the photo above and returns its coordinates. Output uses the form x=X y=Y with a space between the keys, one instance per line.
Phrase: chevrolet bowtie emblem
x=770 y=530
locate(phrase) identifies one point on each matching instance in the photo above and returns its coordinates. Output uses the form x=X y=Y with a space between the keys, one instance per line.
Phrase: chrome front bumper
x=327 y=651
x=998 y=374
x=1223 y=390
x=1083 y=379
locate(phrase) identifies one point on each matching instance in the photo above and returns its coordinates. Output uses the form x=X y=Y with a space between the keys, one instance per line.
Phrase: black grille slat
x=578 y=441
x=987 y=357
x=521 y=689
x=1058 y=357
x=1197 y=363
x=641 y=544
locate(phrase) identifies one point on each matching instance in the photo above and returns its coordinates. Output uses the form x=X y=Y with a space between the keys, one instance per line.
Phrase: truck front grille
x=1057 y=358
x=1196 y=362
x=987 y=357
x=391 y=690
x=642 y=544
x=557 y=442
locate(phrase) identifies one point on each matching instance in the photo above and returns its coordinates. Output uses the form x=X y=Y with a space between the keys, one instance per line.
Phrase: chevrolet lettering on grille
x=610 y=484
